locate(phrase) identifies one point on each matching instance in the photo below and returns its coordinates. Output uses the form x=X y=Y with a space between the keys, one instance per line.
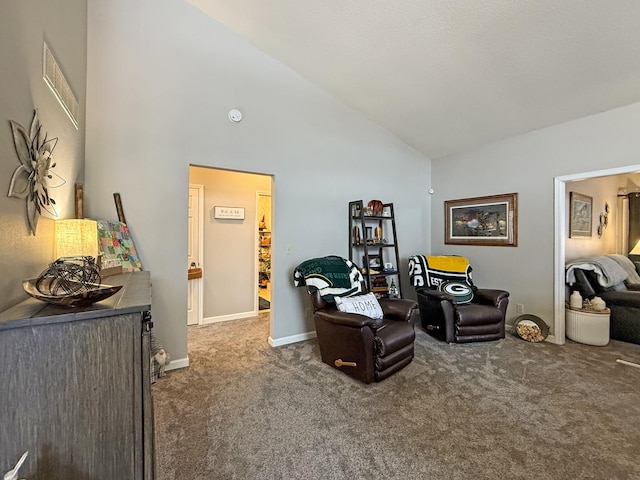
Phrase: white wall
x=25 y=25
x=230 y=255
x=161 y=78
x=527 y=164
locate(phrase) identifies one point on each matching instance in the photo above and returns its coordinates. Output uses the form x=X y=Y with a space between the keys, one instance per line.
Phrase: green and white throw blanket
x=334 y=276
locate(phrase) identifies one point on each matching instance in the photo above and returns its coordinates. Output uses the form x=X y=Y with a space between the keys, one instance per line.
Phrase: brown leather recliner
x=367 y=349
x=451 y=317
x=478 y=321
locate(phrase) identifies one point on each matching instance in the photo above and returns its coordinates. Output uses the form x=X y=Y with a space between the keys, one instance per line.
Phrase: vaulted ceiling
x=447 y=76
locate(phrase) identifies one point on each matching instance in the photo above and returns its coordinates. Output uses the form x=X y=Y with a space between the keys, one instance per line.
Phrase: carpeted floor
x=495 y=410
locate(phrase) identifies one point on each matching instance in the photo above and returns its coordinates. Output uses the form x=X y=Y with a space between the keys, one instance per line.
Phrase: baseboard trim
x=226 y=318
x=176 y=364
x=301 y=337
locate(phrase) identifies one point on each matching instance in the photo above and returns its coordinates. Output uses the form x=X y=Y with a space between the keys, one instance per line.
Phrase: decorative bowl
x=86 y=295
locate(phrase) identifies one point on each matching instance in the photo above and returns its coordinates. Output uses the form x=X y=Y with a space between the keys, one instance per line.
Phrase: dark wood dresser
x=75 y=387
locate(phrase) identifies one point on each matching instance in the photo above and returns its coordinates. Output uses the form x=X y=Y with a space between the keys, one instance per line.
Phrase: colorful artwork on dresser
x=116 y=243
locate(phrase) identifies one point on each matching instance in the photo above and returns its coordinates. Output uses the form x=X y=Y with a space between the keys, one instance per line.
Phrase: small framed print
x=580 y=213
x=375 y=262
x=228 y=213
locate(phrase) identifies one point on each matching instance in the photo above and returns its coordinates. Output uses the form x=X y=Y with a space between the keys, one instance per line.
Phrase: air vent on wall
x=58 y=84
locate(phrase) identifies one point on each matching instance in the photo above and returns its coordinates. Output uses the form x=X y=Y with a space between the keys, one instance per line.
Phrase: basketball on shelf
x=376 y=207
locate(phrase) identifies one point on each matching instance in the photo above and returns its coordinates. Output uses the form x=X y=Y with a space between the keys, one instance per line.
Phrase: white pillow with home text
x=366 y=305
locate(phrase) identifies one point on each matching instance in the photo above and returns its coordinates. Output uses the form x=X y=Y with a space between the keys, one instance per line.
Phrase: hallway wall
x=162 y=77
x=229 y=249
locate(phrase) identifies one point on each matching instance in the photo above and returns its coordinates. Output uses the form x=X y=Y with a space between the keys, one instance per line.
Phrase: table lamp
x=76 y=237
x=636 y=249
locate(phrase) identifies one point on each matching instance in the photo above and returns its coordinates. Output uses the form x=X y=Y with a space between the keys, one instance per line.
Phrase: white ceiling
x=447 y=76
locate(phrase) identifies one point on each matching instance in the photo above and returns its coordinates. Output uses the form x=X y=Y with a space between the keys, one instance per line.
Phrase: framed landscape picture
x=580 y=213
x=490 y=221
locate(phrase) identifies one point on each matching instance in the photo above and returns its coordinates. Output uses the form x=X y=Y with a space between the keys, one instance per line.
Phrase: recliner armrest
x=353 y=320
x=489 y=296
x=622 y=299
x=397 y=308
x=435 y=295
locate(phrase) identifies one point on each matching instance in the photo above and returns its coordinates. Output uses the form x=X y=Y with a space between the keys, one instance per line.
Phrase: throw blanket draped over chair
x=610 y=270
x=429 y=271
x=451 y=307
x=333 y=276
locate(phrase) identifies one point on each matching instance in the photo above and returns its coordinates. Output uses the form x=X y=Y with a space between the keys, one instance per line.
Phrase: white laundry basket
x=587 y=326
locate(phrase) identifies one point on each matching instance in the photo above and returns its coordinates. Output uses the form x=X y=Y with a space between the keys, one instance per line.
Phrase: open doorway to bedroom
x=605 y=187
x=231 y=241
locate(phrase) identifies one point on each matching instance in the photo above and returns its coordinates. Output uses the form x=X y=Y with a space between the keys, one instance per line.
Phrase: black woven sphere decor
x=68 y=276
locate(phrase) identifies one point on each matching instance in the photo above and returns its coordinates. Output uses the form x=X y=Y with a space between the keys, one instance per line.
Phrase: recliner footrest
x=393 y=336
x=382 y=363
x=473 y=314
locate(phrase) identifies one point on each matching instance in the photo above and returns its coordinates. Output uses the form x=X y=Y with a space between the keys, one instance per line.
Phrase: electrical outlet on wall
x=519 y=308
x=307 y=312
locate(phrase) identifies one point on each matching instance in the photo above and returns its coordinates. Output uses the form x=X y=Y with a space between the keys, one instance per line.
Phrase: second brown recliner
x=451 y=307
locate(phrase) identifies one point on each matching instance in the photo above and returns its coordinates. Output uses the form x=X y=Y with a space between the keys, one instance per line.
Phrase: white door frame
x=560 y=215
x=199 y=283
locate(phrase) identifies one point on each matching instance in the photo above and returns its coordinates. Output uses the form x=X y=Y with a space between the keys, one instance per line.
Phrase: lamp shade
x=76 y=237
x=636 y=249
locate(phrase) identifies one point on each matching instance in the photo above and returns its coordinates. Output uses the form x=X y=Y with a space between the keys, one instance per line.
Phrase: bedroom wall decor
x=580 y=212
x=604 y=220
x=34 y=176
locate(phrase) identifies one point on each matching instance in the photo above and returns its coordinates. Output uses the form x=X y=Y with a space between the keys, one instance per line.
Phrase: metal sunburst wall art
x=35 y=176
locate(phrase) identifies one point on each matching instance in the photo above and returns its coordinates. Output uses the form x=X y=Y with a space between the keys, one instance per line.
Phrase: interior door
x=194 y=254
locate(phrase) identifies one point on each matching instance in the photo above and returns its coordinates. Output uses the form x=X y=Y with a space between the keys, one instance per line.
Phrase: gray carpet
x=497 y=410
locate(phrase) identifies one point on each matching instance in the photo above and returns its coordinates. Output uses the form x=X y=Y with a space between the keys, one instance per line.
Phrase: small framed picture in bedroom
x=580 y=214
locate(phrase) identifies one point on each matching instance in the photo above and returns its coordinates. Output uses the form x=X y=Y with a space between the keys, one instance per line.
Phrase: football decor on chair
x=358 y=334
x=452 y=308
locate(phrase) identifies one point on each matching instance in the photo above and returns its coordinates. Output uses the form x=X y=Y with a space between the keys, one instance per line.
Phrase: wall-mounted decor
x=487 y=221
x=228 y=213
x=604 y=220
x=580 y=211
x=34 y=176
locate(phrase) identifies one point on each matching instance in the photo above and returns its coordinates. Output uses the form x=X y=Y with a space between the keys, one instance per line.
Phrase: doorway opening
x=561 y=223
x=263 y=207
x=230 y=245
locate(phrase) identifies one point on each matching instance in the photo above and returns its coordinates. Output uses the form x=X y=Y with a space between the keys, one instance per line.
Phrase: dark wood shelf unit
x=369 y=247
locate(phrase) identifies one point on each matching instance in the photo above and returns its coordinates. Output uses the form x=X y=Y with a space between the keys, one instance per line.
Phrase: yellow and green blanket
x=429 y=271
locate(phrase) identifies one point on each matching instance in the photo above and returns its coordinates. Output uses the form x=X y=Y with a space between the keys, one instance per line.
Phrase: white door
x=194 y=254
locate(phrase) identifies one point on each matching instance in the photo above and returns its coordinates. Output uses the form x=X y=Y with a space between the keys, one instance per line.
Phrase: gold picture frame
x=487 y=221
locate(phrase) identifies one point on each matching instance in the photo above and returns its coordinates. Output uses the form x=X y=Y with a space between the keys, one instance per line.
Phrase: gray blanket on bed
x=608 y=270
